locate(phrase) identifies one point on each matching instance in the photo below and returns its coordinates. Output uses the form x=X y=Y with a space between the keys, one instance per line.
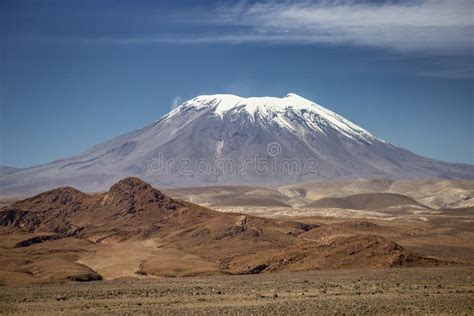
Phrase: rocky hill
x=136 y=230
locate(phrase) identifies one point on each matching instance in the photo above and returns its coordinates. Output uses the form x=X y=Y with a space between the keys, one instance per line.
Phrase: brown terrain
x=135 y=232
x=397 y=291
x=430 y=217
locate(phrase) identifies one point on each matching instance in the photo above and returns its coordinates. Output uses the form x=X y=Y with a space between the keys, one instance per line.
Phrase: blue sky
x=76 y=73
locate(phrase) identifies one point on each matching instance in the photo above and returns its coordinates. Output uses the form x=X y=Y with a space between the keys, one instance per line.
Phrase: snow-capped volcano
x=225 y=139
x=281 y=111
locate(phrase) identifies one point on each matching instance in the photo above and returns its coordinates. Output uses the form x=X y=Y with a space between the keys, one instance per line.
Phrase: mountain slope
x=229 y=140
x=4 y=170
x=366 y=201
x=435 y=194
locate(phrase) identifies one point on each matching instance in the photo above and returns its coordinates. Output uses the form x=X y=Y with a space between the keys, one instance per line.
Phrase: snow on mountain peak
x=282 y=111
x=223 y=103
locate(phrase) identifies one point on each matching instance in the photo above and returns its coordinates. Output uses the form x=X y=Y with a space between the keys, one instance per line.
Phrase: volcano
x=225 y=139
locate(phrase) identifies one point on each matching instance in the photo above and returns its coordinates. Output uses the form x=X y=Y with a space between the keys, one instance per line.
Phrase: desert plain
x=354 y=247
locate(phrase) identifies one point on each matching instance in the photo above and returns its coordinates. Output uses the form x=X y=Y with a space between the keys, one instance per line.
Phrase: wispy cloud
x=434 y=26
x=439 y=31
x=176 y=102
x=428 y=26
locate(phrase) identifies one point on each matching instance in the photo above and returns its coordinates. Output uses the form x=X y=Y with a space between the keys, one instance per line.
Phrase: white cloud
x=434 y=26
x=443 y=27
x=441 y=32
x=176 y=102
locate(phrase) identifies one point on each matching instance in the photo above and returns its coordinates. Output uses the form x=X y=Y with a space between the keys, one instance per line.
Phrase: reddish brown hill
x=149 y=233
x=130 y=207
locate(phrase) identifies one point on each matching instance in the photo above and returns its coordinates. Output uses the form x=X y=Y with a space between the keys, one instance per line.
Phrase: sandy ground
x=448 y=290
x=119 y=260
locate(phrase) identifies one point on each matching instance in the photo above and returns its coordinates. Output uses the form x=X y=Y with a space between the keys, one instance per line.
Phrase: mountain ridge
x=78 y=229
